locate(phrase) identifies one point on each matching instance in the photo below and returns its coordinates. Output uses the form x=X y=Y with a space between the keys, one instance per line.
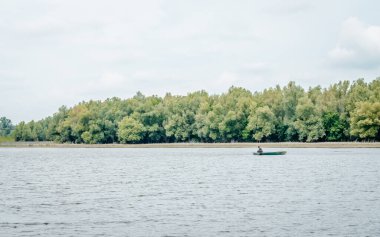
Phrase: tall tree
x=365 y=120
x=335 y=126
x=262 y=123
x=308 y=121
x=130 y=130
x=236 y=107
x=292 y=93
x=6 y=126
x=358 y=92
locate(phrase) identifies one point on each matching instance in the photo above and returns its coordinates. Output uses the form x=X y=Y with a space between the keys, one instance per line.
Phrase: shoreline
x=195 y=145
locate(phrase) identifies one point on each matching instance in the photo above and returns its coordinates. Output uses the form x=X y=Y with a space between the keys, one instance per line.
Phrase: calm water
x=189 y=192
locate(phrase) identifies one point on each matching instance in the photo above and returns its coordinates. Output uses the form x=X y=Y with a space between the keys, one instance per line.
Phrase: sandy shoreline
x=196 y=145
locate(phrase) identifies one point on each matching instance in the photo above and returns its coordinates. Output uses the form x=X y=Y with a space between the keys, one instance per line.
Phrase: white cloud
x=81 y=50
x=358 y=45
x=281 y=8
x=227 y=79
x=42 y=24
x=109 y=80
x=107 y=84
x=256 y=67
x=342 y=54
x=109 y=55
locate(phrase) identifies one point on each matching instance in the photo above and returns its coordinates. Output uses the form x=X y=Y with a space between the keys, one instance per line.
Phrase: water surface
x=189 y=192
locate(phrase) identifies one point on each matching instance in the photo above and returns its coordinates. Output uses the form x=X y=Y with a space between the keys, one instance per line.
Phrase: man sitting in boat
x=260 y=150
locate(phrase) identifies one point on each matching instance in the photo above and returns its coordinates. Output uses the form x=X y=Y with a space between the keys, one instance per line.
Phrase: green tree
x=308 y=121
x=334 y=98
x=234 y=109
x=335 y=126
x=95 y=132
x=374 y=87
x=262 y=123
x=336 y=113
x=180 y=112
x=274 y=99
x=292 y=94
x=150 y=113
x=23 y=132
x=6 y=126
x=365 y=120
x=53 y=122
x=202 y=123
x=130 y=130
x=358 y=92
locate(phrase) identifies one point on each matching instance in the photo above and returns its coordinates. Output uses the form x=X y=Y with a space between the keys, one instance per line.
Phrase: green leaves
x=339 y=112
x=6 y=126
x=335 y=126
x=365 y=120
x=262 y=123
x=308 y=121
x=130 y=130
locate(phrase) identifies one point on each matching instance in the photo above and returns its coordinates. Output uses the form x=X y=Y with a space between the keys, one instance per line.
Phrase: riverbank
x=196 y=145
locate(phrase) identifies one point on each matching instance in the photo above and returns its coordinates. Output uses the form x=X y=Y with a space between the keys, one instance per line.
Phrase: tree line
x=342 y=112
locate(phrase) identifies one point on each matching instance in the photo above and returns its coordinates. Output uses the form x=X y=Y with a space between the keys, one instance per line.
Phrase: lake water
x=189 y=192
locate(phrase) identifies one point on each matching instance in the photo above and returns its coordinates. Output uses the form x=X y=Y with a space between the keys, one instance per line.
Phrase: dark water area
x=189 y=192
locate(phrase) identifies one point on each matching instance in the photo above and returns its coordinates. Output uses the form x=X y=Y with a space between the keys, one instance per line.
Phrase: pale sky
x=61 y=52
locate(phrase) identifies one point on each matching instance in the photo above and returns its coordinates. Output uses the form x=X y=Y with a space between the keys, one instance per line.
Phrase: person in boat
x=259 y=150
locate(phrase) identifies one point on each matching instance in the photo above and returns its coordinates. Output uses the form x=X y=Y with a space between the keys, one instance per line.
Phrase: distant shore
x=195 y=145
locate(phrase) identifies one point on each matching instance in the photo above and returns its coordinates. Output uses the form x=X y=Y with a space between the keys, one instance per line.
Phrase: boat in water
x=271 y=153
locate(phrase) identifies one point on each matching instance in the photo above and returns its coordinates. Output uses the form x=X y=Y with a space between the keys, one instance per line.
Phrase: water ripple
x=189 y=192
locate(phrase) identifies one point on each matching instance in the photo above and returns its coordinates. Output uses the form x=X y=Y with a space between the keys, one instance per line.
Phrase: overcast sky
x=61 y=52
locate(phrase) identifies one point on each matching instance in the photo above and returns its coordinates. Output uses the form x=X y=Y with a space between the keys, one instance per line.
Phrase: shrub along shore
x=196 y=145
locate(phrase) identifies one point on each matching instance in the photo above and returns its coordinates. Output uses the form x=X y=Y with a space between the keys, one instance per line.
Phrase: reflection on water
x=189 y=192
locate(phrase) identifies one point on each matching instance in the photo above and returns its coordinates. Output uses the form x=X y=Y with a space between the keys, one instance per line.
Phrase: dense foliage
x=6 y=127
x=342 y=112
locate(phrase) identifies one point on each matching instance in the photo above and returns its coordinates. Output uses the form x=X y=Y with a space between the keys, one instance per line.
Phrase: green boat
x=273 y=153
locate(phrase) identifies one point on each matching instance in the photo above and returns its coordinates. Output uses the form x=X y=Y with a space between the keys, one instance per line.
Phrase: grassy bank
x=198 y=145
x=6 y=139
